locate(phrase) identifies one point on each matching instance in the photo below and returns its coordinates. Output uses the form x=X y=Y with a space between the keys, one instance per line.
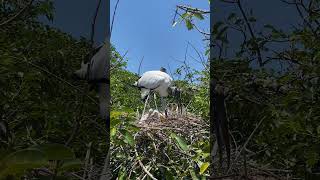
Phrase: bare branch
x=229 y=1
x=114 y=14
x=56 y=77
x=246 y=143
x=251 y=33
x=140 y=65
x=17 y=15
x=193 y=10
x=94 y=22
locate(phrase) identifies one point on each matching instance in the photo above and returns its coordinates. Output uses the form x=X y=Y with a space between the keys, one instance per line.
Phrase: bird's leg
x=179 y=103
x=145 y=104
x=163 y=104
x=155 y=100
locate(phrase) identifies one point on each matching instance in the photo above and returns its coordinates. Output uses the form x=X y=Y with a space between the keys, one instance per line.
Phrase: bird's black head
x=174 y=91
x=162 y=69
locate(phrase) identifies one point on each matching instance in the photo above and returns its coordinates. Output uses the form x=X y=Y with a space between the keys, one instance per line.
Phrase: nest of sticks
x=154 y=142
x=181 y=122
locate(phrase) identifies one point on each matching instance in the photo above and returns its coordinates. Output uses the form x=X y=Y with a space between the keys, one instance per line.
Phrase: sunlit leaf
x=189 y=24
x=204 y=167
x=198 y=15
x=129 y=138
x=180 y=141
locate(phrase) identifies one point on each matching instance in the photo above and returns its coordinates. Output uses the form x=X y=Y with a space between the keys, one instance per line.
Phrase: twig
x=225 y=176
x=193 y=10
x=77 y=176
x=106 y=173
x=18 y=14
x=195 y=26
x=251 y=33
x=124 y=55
x=87 y=158
x=98 y=125
x=198 y=53
x=114 y=14
x=140 y=63
x=245 y=144
x=245 y=165
x=55 y=76
x=265 y=171
x=170 y=72
x=143 y=167
x=93 y=24
x=160 y=128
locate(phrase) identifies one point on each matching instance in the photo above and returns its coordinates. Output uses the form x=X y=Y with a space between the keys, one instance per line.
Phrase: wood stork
x=96 y=73
x=157 y=81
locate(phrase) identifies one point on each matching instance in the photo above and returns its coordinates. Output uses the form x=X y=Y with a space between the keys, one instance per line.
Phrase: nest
x=155 y=142
x=156 y=145
x=181 y=122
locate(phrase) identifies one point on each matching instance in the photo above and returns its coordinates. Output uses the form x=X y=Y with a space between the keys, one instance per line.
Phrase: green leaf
x=216 y=26
x=56 y=151
x=198 y=15
x=113 y=132
x=221 y=32
x=252 y=19
x=19 y=161
x=181 y=142
x=318 y=130
x=72 y=164
x=207 y=52
x=269 y=26
x=169 y=175
x=204 y=167
x=122 y=174
x=193 y=174
x=129 y=138
x=231 y=16
x=312 y=158
x=46 y=8
x=189 y=24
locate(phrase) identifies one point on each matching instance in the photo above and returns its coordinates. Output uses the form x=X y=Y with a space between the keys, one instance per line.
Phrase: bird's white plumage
x=157 y=81
x=154 y=80
x=98 y=70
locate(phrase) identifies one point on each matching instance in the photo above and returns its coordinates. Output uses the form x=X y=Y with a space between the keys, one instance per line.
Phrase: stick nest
x=185 y=123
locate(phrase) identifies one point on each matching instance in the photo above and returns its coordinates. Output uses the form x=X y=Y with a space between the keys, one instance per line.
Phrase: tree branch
x=114 y=14
x=251 y=33
x=17 y=15
x=193 y=10
x=93 y=24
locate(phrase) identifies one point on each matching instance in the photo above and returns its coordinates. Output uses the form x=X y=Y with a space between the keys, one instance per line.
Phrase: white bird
x=96 y=72
x=157 y=81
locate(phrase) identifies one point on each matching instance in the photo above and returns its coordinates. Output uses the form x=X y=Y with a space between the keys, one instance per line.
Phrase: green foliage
x=55 y=151
x=284 y=89
x=41 y=105
x=18 y=162
x=180 y=141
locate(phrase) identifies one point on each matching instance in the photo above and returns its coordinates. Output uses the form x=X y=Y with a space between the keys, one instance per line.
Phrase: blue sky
x=144 y=27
